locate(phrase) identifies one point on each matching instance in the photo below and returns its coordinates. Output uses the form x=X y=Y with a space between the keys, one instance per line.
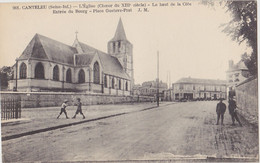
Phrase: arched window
x=56 y=73
x=119 y=84
x=23 y=69
x=81 y=76
x=96 y=73
x=105 y=81
x=126 y=86
x=39 y=71
x=113 y=83
x=68 y=76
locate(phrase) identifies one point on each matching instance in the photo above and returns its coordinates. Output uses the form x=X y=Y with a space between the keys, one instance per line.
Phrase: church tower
x=122 y=49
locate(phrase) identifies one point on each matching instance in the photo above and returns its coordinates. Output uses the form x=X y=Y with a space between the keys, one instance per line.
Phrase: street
x=185 y=130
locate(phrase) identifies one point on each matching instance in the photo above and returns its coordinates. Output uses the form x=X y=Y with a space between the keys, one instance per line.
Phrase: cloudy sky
x=189 y=39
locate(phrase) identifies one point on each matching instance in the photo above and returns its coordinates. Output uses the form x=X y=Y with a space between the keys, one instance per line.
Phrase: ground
x=175 y=131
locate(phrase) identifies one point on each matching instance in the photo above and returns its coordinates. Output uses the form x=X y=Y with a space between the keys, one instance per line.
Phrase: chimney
x=231 y=63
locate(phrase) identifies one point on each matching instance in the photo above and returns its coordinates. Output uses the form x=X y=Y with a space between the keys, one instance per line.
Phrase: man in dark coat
x=232 y=111
x=220 y=109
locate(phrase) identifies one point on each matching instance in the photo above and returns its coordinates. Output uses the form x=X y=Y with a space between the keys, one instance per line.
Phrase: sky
x=189 y=39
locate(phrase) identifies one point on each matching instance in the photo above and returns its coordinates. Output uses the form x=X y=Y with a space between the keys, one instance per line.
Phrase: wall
x=46 y=99
x=247 y=100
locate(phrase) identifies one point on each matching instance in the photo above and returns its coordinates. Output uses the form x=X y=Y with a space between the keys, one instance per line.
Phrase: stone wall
x=46 y=99
x=247 y=100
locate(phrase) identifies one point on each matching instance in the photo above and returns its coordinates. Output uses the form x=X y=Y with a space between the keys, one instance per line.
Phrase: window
x=96 y=73
x=237 y=80
x=56 y=73
x=68 y=76
x=181 y=86
x=23 y=69
x=81 y=76
x=114 y=47
x=126 y=86
x=39 y=71
x=113 y=83
x=105 y=81
x=119 y=84
x=119 y=44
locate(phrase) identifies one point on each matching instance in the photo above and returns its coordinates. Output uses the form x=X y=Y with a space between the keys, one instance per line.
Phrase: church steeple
x=122 y=49
x=120 y=32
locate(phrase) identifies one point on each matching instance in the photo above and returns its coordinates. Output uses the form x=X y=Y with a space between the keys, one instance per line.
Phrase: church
x=49 y=65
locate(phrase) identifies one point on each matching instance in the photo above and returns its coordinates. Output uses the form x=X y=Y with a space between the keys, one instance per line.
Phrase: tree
x=6 y=74
x=3 y=80
x=242 y=28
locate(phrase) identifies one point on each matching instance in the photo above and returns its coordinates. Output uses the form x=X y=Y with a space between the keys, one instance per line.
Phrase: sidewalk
x=45 y=118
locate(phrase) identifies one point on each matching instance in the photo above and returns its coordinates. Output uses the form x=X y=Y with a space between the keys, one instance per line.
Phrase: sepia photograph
x=129 y=81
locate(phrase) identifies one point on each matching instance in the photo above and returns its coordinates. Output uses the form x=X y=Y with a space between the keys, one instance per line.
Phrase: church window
x=81 y=76
x=96 y=73
x=126 y=86
x=119 y=84
x=114 y=47
x=105 y=81
x=68 y=76
x=39 y=71
x=119 y=44
x=23 y=69
x=113 y=83
x=56 y=73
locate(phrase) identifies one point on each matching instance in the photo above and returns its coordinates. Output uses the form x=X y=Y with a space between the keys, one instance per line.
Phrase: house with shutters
x=49 y=65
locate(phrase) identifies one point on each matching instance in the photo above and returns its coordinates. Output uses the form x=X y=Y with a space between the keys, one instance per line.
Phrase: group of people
x=232 y=107
x=65 y=104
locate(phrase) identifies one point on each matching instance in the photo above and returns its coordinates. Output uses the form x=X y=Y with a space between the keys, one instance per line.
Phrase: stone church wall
x=47 y=99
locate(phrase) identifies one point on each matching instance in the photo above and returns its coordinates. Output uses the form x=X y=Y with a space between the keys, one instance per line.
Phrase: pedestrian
x=79 y=109
x=232 y=107
x=220 y=109
x=63 y=109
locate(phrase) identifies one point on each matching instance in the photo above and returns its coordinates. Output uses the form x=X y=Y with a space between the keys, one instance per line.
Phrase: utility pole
x=157 y=78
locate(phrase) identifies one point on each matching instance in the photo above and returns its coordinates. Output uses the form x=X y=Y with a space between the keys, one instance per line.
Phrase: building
x=199 y=89
x=49 y=65
x=149 y=88
x=236 y=74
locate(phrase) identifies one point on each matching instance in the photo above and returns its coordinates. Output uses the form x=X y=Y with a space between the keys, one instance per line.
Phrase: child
x=63 y=106
x=79 y=110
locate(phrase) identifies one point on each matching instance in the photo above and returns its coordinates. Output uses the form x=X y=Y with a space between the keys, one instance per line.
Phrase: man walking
x=232 y=111
x=63 y=109
x=221 y=108
x=79 y=110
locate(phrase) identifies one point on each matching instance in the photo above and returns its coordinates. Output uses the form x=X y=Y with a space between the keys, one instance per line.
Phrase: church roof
x=110 y=64
x=42 y=47
x=83 y=59
x=46 y=48
x=120 y=32
x=200 y=81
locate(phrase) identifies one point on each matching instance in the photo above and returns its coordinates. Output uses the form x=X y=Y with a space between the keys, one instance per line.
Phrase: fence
x=11 y=108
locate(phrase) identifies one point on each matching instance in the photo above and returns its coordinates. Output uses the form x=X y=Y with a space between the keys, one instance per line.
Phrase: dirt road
x=178 y=131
